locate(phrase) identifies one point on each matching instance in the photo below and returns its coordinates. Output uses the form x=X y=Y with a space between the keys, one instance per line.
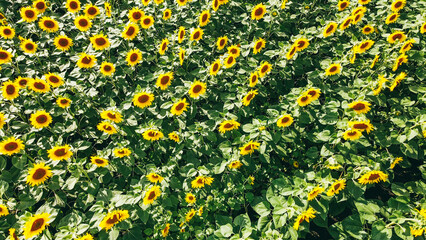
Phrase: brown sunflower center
x=254 y=79
x=292 y=51
x=54 y=79
x=64 y=101
x=301 y=44
x=228 y=125
x=60 y=152
x=151 y=195
x=63 y=42
x=180 y=106
x=29 y=13
x=360 y=126
x=230 y=59
x=336 y=186
x=352 y=133
x=200 y=181
x=152 y=134
x=367 y=29
x=234 y=51
x=41 y=119
x=100 y=41
x=364 y=45
x=216 y=3
x=373 y=176
x=286 y=119
x=398 y=4
x=37 y=224
x=197 y=89
x=248 y=147
x=11 y=146
x=333 y=69
x=39 y=174
x=86 y=60
x=264 y=69
x=107 y=68
x=73 y=5
x=190 y=198
x=343 y=5
x=181 y=34
x=359 y=106
x=40 y=5
x=83 y=22
x=143 y=98
x=258 y=12
x=23 y=82
x=147 y=21
x=29 y=46
x=130 y=31
x=397 y=36
x=112 y=220
x=204 y=18
x=39 y=85
x=258 y=45
x=215 y=67
x=3 y=55
x=392 y=17
x=99 y=161
x=134 y=57
x=10 y=89
x=136 y=15
x=196 y=35
x=304 y=99
x=112 y=115
x=107 y=128
x=312 y=93
x=250 y=97
x=166 y=14
x=121 y=152
x=7 y=31
x=163 y=46
x=222 y=42
x=165 y=80
x=49 y=24
x=329 y=29
x=92 y=11
x=347 y=22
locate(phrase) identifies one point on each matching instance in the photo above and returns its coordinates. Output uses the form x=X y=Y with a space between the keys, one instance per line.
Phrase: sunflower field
x=212 y=119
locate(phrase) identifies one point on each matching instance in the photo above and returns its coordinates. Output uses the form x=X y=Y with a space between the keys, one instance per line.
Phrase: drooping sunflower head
x=249 y=96
x=154 y=178
x=228 y=125
x=330 y=29
x=163 y=46
x=204 y=18
x=333 y=69
x=63 y=43
x=98 y=161
x=179 y=107
x=36 y=224
x=130 y=31
x=99 y=41
x=59 y=153
x=235 y=164
x=215 y=67
x=315 y=192
x=82 y=23
x=391 y=18
x=147 y=21
x=40 y=119
x=143 y=99
x=249 y=148
x=397 y=36
x=181 y=34
x=86 y=61
x=134 y=57
x=112 y=116
x=106 y=127
x=197 y=89
x=342 y=5
x=254 y=79
x=373 y=177
x=167 y=14
x=73 y=6
x=7 y=32
x=264 y=69
x=63 y=102
x=135 y=14
x=285 y=121
x=122 y=152
x=107 y=68
x=54 y=80
x=174 y=137
x=10 y=90
x=164 y=80
x=29 y=14
x=360 y=106
x=5 y=56
x=11 y=146
x=48 y=24
x=39 y=86
x=91 y=11
x=197 y=34
x=258 y=12
x=336 y=187
x=152 y=135
x=361 y=126
x=40 y=6
x=38 y=174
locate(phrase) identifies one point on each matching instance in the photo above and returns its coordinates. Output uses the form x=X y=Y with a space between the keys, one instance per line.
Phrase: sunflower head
x=315 y=192
x=147 y=21
x=48 y=24
x=258 y=12
x=122 y=152
x=221 y=42
x=107 y=68
x=40 y=6
x=63 y=102
x=36 y=224
x=197 y=34
x=181 y=34
x=107 y=127
x=174 y=137
x=264 y=69
x=373 y=177
x=152 y=135
x=28 y=46
x=98 y=161
x=63 y=43
x=5 y=56
x=234 y=51
x=163 y=46
x=164 y=80
x=391 y=18
x=73 y=6
x=39 y=86
x=11 y=146
x=249 y=148
x=112 y=116
x=360 y=106
x=249 y=96
x=329 y=29
x=86 y=61
x=7 y=32
x=38 y=174
x=40 y=119
x=254 y=79
x=336 y=187
x=54 y=80
x=134 y=57
x=82 y=23
x=235 y=164
x=10 y=90
x=333 y=69
x=215 y=67
x=59 y=153
x=197 y=89
x=99 y=42
x=179 y=107
x=151 y=195
x=91 y=11
x=342 y=5
x=29 y=14
x=135 y=15
x=204 y=18
x=167 y=14
x=143 y=99
x=397 y=36
x=130 y=31
x=285 y=121
x=229 y=61
x=112 y=218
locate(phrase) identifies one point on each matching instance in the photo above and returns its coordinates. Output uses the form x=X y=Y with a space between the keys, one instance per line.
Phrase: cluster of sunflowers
x=97 y=63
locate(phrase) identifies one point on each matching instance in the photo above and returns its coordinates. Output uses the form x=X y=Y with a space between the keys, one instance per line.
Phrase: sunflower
x=40 y=119
x=258 y=11
x=215 y=67
x=264 y=68
x=197 y=34
x=147 y=21
x=360 y=106
x=315 y=192
x=423 y=28
x=135 y=14
x=357 y=18
x=399 y=61
x=99 y=41
x=416 y=232
x=249 y=148
x=23 y=81
x=143 y=99
x=336 y=187
x=28 y=14
x=130 y=31
x=361 y=126
x=11 y=146
x=38 y=174
x=36 y=224
x=163 y=46
x=258 y=45
x=181 y=2
x=221 y=42
x=215 y=5
x=48 y=24
x=164 y=80
x=73 y=6
x=107 y=68
x=106 y=127
x=235 y=164
x=63 y=102
x=181 y=55
x=88 y=236
x=152 y=135
x=54 y=80
x=179 y=107
x=2 y=120
x=201 y=181
x=291 y=52
x=59 y=153
x=98 y=161
x=63 y=43
x=134 y=57
x=314 y=93
x=364 y=46
x=112 y=218
x=342 y=5
x=174 y=136
x=229 y=61
x=39 y=85
x=285 y=121
x=151 y=194
x=91 y=11
x=234 y=51
x=396 y=161
x=86 y=61
x=181 y=34
x=228 y=125
x=397 y=81
x=330 y=29
x=197 y=89
x=382 y=80
x=12 y=234
x=333 y=69
x=28 y=46
x=5 y=56
x=367 y=29
x=352 y=134
x=154 y=178
x=122 y=152
x=392 y=18
x=7 y=32
x=363 y=2
x=304 y=99
x=190 y=198
x=40 y=6
x=346 y=23
x=112 y=116
x=301 y=44
x=373 y=177
x=249 y=96
x=304 y=216
x=165 y=231
x=82 y=23
x=397 y=36
x=10 y=90
x=407 y=46
x=167 y=14
x=107 y=7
